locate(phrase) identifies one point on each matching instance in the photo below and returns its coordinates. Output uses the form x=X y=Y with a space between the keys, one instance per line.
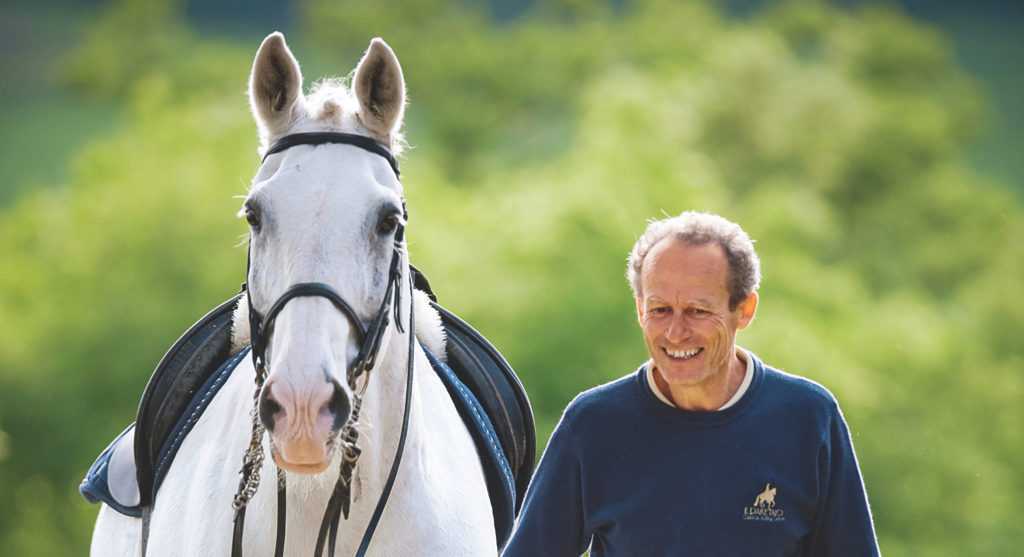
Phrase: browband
x=318 y=138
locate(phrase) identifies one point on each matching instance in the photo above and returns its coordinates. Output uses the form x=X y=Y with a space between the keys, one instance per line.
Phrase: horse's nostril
x=340 y=405
x=268 y=408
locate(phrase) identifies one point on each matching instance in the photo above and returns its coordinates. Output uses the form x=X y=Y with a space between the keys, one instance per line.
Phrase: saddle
x=485 y=389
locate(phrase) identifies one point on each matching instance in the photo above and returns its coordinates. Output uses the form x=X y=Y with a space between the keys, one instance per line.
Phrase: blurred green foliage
x=541 y=148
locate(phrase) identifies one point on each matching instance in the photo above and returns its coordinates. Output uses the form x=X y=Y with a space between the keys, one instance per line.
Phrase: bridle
x=369 y=338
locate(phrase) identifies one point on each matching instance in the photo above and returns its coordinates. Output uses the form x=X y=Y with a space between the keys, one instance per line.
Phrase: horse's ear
x=380 y=89
x=275 y=85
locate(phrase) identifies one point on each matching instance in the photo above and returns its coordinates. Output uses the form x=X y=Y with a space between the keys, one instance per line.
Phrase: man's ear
x=640 y=310
x=748 y=308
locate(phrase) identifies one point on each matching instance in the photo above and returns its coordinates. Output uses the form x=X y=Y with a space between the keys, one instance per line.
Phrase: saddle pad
x=111 y=479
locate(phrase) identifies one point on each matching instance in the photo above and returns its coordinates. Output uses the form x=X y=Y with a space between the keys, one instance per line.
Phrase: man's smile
x=683 y=354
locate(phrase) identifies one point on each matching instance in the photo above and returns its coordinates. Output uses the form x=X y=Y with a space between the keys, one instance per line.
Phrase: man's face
x=684 y=311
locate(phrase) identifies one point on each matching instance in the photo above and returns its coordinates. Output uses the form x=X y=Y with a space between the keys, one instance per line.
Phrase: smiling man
x=704 y=450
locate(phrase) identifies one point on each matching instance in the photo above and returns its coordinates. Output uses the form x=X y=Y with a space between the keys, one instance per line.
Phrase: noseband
x=369 y=337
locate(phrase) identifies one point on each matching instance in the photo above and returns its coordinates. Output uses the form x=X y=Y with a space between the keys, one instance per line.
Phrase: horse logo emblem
x=766 y=498
x=763 y=508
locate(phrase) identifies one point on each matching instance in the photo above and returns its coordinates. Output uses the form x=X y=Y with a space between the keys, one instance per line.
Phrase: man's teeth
x=684 y=354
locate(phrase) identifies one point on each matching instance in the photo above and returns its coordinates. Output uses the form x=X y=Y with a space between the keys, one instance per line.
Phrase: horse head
x=326 y=221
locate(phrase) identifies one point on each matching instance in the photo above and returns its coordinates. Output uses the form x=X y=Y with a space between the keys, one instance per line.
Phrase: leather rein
x=369 y=338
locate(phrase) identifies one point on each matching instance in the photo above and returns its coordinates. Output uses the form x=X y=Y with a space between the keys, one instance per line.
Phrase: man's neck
x=708 y=397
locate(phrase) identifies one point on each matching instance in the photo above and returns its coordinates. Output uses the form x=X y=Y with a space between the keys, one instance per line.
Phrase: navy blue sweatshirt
x=626 y=474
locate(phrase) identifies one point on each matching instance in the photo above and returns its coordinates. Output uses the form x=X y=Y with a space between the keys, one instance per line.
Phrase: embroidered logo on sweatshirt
x=764 y=508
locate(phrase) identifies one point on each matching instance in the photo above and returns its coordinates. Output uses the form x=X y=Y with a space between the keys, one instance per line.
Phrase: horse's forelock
x=332 y=103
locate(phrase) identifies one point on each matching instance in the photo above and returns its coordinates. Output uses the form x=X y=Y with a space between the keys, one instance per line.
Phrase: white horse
x=326 y=213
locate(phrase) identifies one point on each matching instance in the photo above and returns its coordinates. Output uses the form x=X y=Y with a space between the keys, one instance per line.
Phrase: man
x=704 y=450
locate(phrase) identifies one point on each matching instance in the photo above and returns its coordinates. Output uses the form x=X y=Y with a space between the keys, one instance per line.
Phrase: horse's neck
x=380 y=424
x=383 y=416
x=382 y=412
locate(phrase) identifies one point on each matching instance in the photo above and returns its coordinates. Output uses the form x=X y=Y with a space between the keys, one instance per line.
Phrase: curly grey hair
x=699 y=229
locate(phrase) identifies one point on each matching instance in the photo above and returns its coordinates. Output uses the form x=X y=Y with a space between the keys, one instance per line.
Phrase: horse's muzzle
x=303 y=426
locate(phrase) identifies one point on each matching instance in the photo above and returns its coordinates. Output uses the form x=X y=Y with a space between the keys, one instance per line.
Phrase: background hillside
x=870 y=149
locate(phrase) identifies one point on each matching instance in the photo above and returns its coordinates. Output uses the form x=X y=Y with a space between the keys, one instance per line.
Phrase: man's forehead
x=674 y=261
x=695 y=254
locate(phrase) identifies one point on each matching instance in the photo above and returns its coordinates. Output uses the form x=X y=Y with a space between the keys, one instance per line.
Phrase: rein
x=369 y=338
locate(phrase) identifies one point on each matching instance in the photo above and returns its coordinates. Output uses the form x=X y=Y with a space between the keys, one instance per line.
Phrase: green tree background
x=839 y=138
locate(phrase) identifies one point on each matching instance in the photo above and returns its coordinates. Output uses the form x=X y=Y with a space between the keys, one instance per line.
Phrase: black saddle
x=204 y=351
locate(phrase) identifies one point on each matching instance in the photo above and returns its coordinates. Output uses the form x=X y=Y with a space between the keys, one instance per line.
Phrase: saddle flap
x=491 y=379
x=181 y=373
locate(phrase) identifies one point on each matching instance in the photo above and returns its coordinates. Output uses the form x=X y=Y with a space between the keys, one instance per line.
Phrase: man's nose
x=678 y=327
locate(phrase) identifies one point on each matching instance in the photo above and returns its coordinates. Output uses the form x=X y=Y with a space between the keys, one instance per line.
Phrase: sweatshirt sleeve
x=551 y=522
x=844 y=526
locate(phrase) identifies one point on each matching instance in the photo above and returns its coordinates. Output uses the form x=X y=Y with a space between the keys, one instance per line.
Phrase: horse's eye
x=252 y=216
x=388 y=224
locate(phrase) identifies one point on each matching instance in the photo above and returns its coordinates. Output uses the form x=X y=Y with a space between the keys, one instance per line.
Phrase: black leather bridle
x=369 y=338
